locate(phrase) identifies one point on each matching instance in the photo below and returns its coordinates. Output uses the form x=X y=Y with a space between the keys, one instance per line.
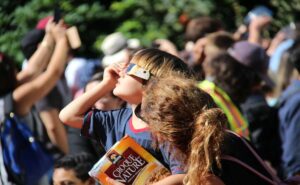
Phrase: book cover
x=128 y=163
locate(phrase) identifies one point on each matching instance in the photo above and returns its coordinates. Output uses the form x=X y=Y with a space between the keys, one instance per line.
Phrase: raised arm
x=74 y=112
x=28 y=93
x=40 y=59
x=256 y=27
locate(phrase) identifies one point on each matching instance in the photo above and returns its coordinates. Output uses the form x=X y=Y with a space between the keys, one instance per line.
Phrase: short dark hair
x=30 y=42
x=81 y=163
x=231 y=76
x=294 y=58
x=199 y=27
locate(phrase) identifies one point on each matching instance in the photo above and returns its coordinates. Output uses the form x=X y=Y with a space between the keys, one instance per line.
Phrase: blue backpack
x=25 y=159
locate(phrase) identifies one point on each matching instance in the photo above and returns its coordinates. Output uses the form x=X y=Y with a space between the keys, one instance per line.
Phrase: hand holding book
x=113 y=182
x=128 y=163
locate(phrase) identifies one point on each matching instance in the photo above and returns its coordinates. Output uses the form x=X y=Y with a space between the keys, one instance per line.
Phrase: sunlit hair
x=187 y=117
x=159 y=63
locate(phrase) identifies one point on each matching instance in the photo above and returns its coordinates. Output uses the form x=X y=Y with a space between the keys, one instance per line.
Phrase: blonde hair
x=159 y=63
x=189 y=119
x=205 y=146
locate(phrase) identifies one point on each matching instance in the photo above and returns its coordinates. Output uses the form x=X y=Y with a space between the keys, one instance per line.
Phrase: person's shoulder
x=118 y=115
x=291 y=96
x=123 y=112
x=233 y=145
x=292 y=89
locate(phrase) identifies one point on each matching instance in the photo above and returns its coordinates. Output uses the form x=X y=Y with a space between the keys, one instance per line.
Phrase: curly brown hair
x=231 y=76
x=187 y=117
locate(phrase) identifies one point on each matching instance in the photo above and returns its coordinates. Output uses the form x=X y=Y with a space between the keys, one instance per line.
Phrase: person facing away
x=207 y=47
x=49 y=106
x=72 y=169
x=195 y=32
x=229 y=84
x=26 y=87
x=188 y=118
x=127 y=82
x=262 y=119
x=289 y=117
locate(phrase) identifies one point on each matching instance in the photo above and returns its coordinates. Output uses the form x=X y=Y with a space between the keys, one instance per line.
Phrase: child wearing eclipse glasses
x=127 y=82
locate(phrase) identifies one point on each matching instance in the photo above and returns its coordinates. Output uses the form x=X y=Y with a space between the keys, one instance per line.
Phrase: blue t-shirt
x=108 y=127
x=289 y=117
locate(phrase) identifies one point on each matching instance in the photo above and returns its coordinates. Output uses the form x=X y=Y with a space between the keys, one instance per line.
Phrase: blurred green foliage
x=143 y=19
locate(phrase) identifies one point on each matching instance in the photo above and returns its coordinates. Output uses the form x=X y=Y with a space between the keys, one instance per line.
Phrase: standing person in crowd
x=262 y=119
x=229 y=84
x=49 y=106
x=281 y=69
x=127 y=82
x=289 y=117
x=196 y=31
x=184 y=115
x=255 y=26
x=207 y=47
x=73 y=169
x=25 y=88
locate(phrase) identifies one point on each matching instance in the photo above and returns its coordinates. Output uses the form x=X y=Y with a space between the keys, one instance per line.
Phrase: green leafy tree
x=287 y=12
x=18 y=19
x=142 y=19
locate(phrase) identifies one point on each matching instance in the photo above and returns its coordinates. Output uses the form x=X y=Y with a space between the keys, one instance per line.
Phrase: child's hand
x=113 y=72
x=113 y=182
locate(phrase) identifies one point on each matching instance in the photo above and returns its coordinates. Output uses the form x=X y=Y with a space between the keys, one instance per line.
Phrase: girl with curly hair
x=187 y=117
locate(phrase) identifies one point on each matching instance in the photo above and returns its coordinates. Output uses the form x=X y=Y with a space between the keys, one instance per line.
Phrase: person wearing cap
x=262 y=119
x=228 y=82
x=289 y=117
x=116 y=48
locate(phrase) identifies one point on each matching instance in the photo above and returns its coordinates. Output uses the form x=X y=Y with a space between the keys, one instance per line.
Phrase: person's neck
x=137 y=123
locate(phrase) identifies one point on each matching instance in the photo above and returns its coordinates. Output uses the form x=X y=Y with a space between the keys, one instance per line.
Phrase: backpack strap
x=276 y=180
x=8 y=103
x=294 y=180
x=233 y=159
x=6 y=106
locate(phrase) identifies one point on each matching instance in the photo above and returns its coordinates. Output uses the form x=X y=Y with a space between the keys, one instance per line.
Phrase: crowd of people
x=224 y=110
